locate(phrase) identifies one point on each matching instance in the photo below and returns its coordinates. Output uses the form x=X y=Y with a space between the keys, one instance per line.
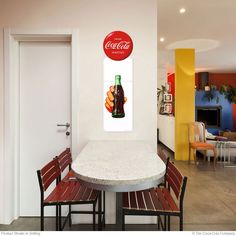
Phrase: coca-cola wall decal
x=118 y=45
x=118 y=85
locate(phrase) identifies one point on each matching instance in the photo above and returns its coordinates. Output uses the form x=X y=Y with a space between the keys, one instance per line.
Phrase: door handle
x=67 y=125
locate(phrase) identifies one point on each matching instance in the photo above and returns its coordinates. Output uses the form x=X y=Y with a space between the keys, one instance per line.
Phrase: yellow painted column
x=184 y=99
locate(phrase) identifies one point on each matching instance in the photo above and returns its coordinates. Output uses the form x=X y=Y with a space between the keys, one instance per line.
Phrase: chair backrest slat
x=163 y=155
x=65 y=159
x=174 y=179
x=196 y=132
x=174 y=170
x=49 y=173
x=47 y=167
x=53 y=177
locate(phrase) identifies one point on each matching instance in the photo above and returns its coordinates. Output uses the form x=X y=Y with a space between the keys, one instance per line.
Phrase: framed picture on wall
x=168 y=108
x=167 y=97
x=124 y=71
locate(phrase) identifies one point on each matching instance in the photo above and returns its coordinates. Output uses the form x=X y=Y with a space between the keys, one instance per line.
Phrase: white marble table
x=119 y=166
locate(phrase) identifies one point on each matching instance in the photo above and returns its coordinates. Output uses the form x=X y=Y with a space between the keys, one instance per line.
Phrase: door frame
x=10 y=195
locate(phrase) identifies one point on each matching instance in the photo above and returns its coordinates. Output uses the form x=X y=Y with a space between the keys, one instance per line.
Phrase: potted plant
x=160 y=98
x=229 y=92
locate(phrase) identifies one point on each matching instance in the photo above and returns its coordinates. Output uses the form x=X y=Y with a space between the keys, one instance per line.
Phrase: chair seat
x=202 y=145
x=70 y=176
x=158 y=200
x=71 y=192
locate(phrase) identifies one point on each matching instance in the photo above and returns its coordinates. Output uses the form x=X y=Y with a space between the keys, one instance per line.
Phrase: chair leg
x=94 y=216
x=104 y=208
x=181 y=222
x=123 y=220
x=158 y=222
x=165 y=228
x=195 y=156
x=56 y=217
x=59 y=218
x=204 y=155
x=189 y=154
x=168 y=225
x=100 y=211
x=42 y=218
x=215 y=159
x=70 y=220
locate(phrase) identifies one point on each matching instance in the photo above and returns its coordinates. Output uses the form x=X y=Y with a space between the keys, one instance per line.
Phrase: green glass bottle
x=118 y=108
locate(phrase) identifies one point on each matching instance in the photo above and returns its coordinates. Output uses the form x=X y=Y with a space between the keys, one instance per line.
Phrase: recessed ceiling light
x=182 y=10
x=162 y=39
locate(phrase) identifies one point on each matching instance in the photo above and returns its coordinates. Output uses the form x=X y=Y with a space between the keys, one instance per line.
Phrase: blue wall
x=227 y=111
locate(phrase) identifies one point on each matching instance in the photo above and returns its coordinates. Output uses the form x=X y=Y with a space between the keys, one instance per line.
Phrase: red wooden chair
x=65 y=193
x=46 y=176
x=65 y=161
x=158 y=201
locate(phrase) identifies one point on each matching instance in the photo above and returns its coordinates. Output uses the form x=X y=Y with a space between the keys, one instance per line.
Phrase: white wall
x=95 y=19
x=166 y=124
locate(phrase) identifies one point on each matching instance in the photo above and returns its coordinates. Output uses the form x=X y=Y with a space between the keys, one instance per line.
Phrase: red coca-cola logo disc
x=117 y=45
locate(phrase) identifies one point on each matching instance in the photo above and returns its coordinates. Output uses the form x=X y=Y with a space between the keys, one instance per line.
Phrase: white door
x=45 y=88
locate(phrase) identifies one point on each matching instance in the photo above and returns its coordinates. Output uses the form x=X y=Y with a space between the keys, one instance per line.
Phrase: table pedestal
x=119 y=204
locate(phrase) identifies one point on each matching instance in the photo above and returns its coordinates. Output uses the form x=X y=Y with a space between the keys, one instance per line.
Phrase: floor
x=209 y=204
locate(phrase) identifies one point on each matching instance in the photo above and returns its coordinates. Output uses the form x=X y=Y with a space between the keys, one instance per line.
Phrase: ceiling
x=204 y=19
